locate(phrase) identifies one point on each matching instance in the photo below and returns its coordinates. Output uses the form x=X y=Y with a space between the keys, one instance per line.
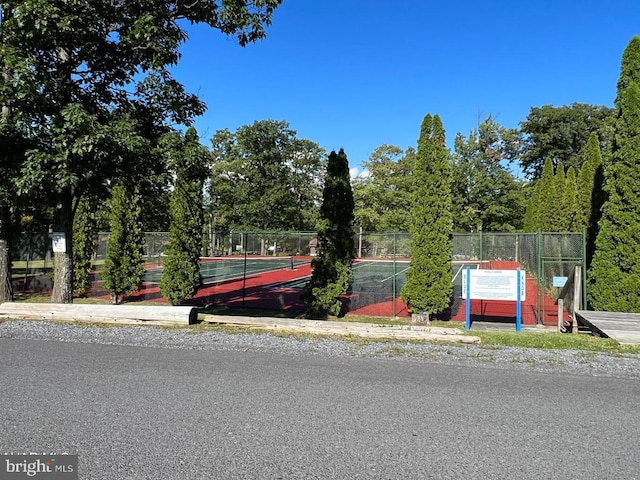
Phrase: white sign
x=59 y=242
x=493 y=285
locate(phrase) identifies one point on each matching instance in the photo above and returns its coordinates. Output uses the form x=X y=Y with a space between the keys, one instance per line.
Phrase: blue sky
x=357 y=74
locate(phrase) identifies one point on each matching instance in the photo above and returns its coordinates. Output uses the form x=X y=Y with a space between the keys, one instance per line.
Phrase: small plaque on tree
x=59 y=242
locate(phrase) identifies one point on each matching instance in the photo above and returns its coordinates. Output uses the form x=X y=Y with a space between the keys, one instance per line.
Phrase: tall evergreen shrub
x=428 y=289
x=614 y=277
x=181 y=276
x=124 y=266
x=85 y=239
x=332 y=265
x=538 y=213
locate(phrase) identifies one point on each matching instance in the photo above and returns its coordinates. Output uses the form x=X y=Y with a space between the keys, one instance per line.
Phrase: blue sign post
x=519 y=303
x=467 y=323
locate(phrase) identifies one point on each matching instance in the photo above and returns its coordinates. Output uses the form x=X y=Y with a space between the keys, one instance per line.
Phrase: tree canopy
x=265 y=178
x=91 y=81
x=383 y=196
x=485 y=194
x=561 y=134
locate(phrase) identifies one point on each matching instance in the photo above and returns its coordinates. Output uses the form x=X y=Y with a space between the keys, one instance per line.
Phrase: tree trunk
x=6 y=287
x=63 y=261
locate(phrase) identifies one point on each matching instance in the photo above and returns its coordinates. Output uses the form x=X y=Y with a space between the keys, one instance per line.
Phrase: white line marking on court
x=394 y=275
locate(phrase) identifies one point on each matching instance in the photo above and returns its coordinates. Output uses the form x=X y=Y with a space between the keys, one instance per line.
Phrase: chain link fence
x=269 y=269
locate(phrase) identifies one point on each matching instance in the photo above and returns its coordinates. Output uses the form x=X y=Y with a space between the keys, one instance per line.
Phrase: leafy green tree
x=124 y=266
x=332 y=265
x=155 y=191
x=561 y=134
x=614 y=276
x=485 y=194
x=13 y=145
x=383 y=196
x=181 y=271
x=265 y=178
x=91 y=68
x=428 y=289
x=85 y=235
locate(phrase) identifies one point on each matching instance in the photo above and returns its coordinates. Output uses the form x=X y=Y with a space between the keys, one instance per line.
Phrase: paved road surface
x=159 y=413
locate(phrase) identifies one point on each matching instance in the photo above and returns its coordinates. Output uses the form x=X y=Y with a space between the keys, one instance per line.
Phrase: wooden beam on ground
x=128 y=314
x=366 y=330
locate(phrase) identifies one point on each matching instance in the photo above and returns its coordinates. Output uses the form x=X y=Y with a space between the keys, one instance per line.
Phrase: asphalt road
x=159 y=413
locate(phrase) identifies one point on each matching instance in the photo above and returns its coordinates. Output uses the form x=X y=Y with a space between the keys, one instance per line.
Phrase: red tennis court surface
x=481 y=310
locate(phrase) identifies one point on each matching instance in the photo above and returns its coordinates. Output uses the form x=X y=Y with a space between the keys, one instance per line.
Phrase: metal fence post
x=244 y=273
x=393 y=306
x=583 y=300
x=539 y=273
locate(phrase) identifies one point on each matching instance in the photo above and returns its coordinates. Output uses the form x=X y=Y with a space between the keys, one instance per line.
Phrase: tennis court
x=227 y=268
x=377 y=283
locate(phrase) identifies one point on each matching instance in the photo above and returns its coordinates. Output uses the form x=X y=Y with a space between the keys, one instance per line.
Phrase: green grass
x=541 y=340
x=556 y=341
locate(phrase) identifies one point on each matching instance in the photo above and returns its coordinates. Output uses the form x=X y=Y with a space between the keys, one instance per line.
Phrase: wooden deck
x=622 y=327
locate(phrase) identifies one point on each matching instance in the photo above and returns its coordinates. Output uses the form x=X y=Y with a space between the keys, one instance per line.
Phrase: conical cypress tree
x=592 y=159
x=570 y=202
x=540 y=205
x=332 y=266
x=629 y=69
x=181 y=276
x=557 y=218
x=615 y=271
x=546 y=197
x=124 y=266
x=85 y=239
x=428 y=289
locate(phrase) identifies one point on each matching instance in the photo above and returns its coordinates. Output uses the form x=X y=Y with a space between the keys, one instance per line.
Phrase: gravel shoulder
x=528 y=359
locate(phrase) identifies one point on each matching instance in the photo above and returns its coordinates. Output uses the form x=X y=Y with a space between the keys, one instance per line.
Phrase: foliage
x=486 y=196
x=615 y=271
x=541 y=202
x=428 y=288
x=383 y=196
x=561 y=134
x=591 y=162
x=124 y=266
x=85 y=239
x=554 y=220
x=264 y=177
x=570 y=208
x=332 y=265
x=91 y=80
x=181 y=271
